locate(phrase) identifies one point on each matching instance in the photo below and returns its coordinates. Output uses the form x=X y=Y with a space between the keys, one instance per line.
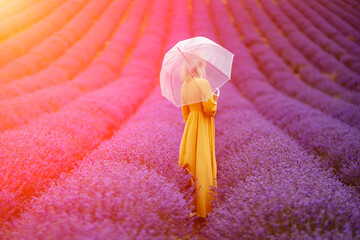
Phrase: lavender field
x=89 y=147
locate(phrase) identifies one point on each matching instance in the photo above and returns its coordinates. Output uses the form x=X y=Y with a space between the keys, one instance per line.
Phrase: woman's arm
x=209 y=106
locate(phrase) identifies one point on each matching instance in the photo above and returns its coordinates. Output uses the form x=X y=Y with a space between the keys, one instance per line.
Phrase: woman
x=197 y=149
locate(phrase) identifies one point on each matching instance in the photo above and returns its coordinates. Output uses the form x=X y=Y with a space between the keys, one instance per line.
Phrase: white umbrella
x=192 y=59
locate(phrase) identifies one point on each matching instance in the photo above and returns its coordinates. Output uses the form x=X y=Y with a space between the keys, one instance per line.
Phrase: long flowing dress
x=197 y=148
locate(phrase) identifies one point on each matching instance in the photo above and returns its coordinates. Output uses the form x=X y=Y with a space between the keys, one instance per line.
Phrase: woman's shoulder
x=202 y=81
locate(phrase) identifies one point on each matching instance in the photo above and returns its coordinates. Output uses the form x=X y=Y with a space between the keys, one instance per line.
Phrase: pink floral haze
x=89 y=146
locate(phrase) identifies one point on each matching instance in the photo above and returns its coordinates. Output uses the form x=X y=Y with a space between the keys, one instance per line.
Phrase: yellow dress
x=197 y=148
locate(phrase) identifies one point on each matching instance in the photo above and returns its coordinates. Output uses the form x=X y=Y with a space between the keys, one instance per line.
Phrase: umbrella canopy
x=196 y=59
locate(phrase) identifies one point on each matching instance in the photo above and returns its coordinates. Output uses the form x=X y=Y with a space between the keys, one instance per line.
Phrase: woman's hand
x=215 y=97
x=217 y=92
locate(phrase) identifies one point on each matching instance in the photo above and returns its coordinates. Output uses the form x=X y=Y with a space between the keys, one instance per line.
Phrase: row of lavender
x=34 y=154
x=343 y=11
x=54 y=59
x=55 y=87
x=14 y=7
x=350 y=58
x=329 y=30
x=42 y=18
x=302 y=45
x=348 y=54
x=42 y=50
x=310 y=74
x=303 y=29
x=348 y=9
x=353 y=4
x=347 y=28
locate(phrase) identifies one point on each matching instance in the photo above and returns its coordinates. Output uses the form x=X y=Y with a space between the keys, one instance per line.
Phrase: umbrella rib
x=172 y=90
x=218 y=69
x=198 y=87
x=183 y=55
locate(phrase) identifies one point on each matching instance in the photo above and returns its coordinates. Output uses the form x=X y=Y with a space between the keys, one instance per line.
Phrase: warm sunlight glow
x=179 y=119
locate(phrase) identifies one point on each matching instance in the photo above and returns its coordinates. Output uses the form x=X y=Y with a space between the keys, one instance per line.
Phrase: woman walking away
x=197 y=149
x=191 y=74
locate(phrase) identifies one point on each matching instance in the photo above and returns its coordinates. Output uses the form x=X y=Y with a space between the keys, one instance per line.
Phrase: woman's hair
x=193 y=67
